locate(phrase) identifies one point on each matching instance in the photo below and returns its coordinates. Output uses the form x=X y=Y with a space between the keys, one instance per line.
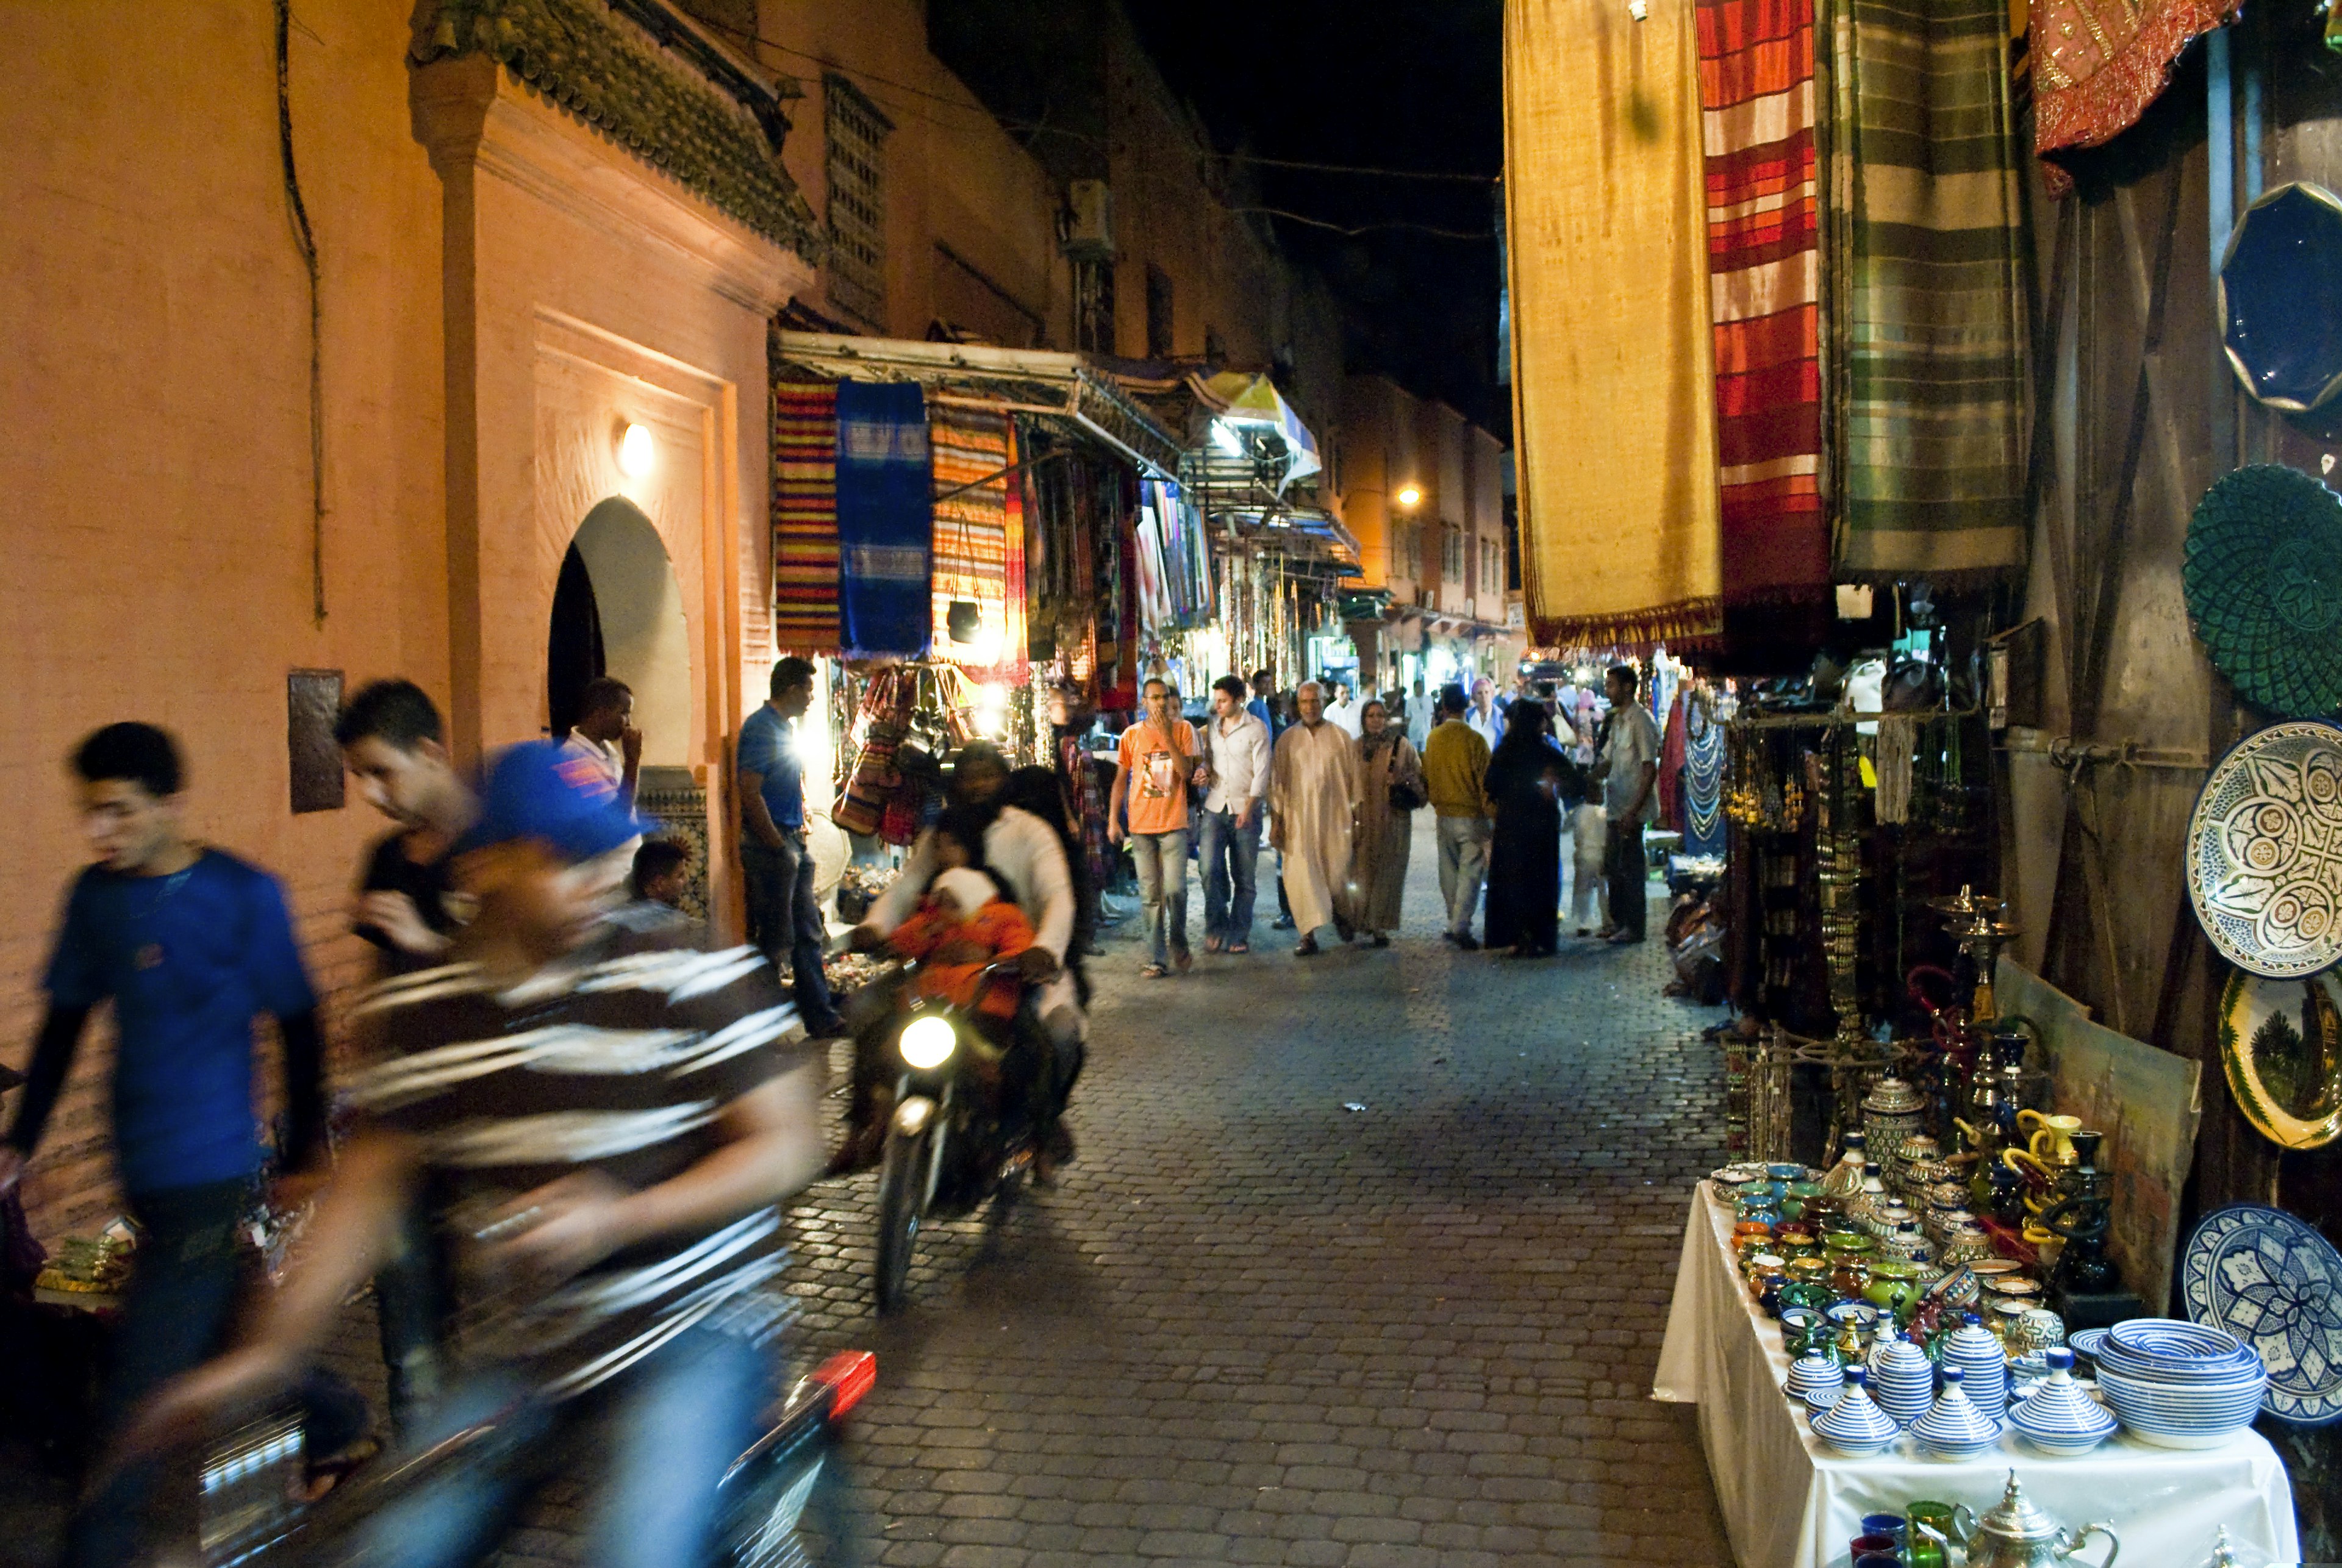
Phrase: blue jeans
x=1162 y=862
x=673 y=1424
x=784 y=915
x=1231 y=864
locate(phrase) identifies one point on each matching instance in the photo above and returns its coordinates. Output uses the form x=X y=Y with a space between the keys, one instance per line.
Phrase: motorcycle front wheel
x=902 y=1194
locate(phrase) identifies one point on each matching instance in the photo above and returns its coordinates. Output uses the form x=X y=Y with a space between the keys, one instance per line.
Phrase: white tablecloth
x=1790 y=1503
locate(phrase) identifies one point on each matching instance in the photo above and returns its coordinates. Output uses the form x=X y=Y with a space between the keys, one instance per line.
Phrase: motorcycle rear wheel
x=902 y=1195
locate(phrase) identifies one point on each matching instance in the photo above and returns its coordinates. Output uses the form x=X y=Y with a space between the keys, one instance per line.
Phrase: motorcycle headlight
x=927 y=1042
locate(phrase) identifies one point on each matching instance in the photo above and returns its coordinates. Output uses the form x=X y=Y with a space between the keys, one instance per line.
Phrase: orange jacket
x=999 y=929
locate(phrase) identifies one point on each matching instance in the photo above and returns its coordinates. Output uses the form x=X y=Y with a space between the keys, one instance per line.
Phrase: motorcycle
x=957 y=1135
x=780 y=1495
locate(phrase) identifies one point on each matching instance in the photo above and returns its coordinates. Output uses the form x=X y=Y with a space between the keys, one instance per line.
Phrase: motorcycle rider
x=615 y=1118
x=1025 y=854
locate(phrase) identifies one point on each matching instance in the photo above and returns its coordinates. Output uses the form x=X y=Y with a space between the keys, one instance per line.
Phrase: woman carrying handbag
x=1393 y=790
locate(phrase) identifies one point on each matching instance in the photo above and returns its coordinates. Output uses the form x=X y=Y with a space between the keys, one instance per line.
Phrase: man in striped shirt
x=614 y=1119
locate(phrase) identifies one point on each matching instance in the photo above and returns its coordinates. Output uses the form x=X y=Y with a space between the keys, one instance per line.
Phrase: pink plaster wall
x=155 y=393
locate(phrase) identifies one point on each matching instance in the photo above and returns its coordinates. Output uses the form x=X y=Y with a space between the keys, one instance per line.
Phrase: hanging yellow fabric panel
x=1614 y=384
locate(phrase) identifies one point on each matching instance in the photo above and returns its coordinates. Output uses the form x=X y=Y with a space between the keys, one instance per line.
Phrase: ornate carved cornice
x=606 y=73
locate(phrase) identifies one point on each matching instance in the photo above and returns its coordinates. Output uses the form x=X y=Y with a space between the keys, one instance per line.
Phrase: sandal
x=1153 y=971
x=1214 y=944
x=1239 y=946
x=1183 y=960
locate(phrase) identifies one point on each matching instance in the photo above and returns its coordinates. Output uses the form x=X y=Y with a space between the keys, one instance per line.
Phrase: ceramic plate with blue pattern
x=2276 y=1285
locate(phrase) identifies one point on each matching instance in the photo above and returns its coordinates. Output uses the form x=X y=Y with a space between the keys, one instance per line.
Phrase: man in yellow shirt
x=1455 y=767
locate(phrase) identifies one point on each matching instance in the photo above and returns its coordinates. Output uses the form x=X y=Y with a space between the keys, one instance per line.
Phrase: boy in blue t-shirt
x=190 y=945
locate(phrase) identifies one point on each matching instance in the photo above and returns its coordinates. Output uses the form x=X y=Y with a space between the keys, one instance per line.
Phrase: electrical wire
x=306 y=240
x=1353 y=232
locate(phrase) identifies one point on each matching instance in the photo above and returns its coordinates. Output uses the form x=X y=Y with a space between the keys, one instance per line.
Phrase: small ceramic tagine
x=1902 y=1379
x=1844 y=1179
x=1853 y=1423
x=2027 y=1330
x=1952 y=1427
x=1985 y=1361
x=1815 y=1379
x=1892 y=1111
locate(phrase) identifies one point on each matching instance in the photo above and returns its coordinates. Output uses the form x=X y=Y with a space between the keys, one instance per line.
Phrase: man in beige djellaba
x=1313 y=817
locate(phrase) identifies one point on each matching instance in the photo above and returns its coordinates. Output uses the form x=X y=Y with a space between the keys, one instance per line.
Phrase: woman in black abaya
x=1528 y=779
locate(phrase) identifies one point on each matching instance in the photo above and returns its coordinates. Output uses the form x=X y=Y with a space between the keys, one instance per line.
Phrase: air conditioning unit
x=1089 y=220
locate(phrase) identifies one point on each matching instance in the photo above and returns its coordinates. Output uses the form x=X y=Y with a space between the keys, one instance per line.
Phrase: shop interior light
x=1408 y=495
x=637 y=452
x=1225 y=436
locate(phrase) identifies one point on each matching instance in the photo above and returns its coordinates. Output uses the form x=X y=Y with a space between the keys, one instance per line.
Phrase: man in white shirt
x=1343 y=712
x=1236 y=743
x=1485 y=718
x=605 y=735
x=1419 y=717
x=1629 y=771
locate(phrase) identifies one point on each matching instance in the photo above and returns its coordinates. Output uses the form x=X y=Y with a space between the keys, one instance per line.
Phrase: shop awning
x=1303 y=532
x=1250 y=407
x=1060 y=389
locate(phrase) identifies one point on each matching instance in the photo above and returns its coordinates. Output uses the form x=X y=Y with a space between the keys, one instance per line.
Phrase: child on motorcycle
x=961 y=927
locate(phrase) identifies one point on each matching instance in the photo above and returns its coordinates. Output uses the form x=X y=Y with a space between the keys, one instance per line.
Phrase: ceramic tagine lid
x=1891 y=1096
x=2059 y=1416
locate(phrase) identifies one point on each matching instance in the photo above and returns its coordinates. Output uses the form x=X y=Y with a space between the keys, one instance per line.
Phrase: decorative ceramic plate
x=2281 y=1041
x=2265 y=852
x=2276 y=1285
x=2263 y=577
x=2280 y=297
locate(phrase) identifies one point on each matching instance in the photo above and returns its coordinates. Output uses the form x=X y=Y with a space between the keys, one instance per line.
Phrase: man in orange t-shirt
x=1152 y=774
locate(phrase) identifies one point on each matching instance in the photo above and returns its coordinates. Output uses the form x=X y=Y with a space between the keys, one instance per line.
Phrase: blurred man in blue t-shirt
x=190 y=945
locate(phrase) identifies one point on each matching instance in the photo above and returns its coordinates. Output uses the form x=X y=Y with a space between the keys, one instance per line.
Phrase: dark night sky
x=1415 y=86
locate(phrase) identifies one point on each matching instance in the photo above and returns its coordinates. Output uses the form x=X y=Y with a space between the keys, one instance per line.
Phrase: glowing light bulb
x=1408 y=495
x=637 y=451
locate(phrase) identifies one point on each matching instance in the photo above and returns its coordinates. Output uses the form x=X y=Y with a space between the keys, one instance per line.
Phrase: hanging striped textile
x=971 y=528
x=1927 y=306
x=1764 y=263
x=804 y=517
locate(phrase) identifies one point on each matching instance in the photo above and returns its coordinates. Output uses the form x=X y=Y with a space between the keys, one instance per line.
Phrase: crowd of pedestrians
x=1335 y=779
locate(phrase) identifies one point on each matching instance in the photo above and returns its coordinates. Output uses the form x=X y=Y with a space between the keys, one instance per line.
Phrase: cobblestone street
x=1364 y=1262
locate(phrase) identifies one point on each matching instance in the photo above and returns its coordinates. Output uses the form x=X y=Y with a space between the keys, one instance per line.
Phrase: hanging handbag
x=1406 y=794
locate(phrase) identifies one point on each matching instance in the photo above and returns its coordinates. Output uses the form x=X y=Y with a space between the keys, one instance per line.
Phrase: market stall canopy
x=1309 y=533
x=1612 y=359
x=1062 y=389
x=1247 y=412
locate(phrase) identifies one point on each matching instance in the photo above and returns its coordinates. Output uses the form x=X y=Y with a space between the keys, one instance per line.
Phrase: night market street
x=1251 y=1325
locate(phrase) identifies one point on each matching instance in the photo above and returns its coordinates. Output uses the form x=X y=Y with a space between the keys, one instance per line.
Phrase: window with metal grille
x=1451 y=554
x=857 y=133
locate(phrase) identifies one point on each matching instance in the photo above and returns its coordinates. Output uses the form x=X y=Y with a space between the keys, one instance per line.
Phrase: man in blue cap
x=614 y=1119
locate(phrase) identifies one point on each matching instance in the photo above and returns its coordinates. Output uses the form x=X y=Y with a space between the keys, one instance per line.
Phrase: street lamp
x=1408 y=495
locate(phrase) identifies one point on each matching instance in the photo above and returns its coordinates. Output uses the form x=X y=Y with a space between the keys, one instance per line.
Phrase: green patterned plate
x=2264 y=582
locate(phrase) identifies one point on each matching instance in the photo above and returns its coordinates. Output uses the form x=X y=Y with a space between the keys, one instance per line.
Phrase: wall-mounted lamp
x=637 y=452
x=1408 y=495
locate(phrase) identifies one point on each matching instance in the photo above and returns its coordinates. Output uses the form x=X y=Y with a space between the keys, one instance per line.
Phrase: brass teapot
x=2017 y=1534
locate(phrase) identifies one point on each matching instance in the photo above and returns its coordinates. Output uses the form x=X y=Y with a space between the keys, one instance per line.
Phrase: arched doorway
x=617 y=610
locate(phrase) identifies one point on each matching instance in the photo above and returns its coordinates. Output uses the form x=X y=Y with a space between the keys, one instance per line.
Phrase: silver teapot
x=2017 y=1534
